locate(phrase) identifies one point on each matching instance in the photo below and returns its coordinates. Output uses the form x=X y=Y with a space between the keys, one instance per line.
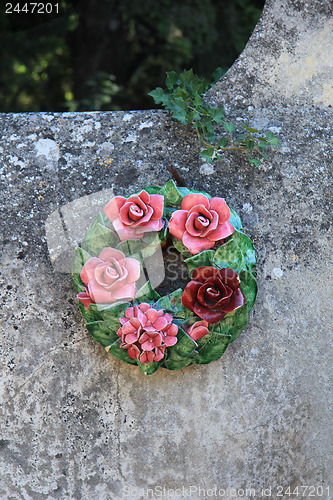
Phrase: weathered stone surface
x=77 y=423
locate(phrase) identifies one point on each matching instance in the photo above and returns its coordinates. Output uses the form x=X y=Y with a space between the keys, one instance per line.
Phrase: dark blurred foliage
x=107 y=54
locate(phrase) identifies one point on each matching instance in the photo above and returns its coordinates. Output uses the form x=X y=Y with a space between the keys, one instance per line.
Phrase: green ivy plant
x=183 y=96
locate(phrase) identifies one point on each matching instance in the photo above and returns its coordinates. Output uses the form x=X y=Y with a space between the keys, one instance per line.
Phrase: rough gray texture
x=79 y=424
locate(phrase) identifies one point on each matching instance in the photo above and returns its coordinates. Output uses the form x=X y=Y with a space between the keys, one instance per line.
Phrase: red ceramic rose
x=109 y=277
x=198 y=330
x=213 y=293
x=146 y=332
x=132 y=217
x=201 y=222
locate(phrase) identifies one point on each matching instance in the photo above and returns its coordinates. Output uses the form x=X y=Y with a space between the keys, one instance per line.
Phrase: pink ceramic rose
x=146 y=332
x=201 y=222
x=132 y=217
x=109 y=277
x=198 y=330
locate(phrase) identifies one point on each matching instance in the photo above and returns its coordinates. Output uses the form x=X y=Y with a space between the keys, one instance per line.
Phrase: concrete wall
x=77 y=423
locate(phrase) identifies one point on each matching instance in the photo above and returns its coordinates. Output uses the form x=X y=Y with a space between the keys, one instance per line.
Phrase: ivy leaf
x=254 y=161
x=171 y=79
x=223 y=142
x=229 y=126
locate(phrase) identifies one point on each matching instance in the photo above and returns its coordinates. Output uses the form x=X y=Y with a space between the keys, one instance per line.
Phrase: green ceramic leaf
x=79 y=259
x=86 y=312
x=95 y=311
x=172 y=197
x=184 y=191
x=101 y=332
x=79 y=288
x=180 y=247
x=152 y=241
x=204 y=258
x=248 y=287
x=235 y=220
x=146 y=293
x=233 y=323
x=172 y=364
x=213 y=349
x=185 y=345
x=171 y=302
x=152 y=189
x=120 y=352
x=131 y=248
x=168 y=211
x=246 y=246
x=229 y=255
x=114 y=310
x=149 y=368
x=98 y=237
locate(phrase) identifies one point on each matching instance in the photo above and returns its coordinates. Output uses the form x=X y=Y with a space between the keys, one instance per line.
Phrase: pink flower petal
x=152 y=315
x=192 y=199
x=158 y=354
x=156 y=202
x=220 y=206
x=84 y=297
x=190 y=224
x=88 y=271
x=177 y=223
x=221 y=232
x=144 y=306
x=144 y=196
x=113 y=207
x=152 y=225
x=129 y=328
x=138 y=200
x=196 y=244
x=133 y=351
x=126 y=292
x=143 y=221
x=133 y=268
x=126 y=215
x=125 y=232
x=201 y=209
x=197 y=331
x=131 y=338
x=160 y=323
x=213 y=224
x=172 y=331
x=168 y=341
x=99 y=294
x=105 y=275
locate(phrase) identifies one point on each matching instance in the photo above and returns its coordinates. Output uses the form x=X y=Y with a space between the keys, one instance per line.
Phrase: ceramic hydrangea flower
x=201 y=221
x=132 y=217
x=146 y=332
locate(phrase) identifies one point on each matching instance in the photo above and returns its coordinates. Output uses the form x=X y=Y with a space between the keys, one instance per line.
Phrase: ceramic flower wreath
x=122 y=309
